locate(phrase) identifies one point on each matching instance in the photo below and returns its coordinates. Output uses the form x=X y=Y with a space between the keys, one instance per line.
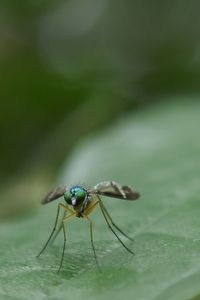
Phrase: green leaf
x=156 y=151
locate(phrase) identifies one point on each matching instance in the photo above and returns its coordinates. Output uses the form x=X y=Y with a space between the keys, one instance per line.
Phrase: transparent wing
x=53 y=195
x=115 y=190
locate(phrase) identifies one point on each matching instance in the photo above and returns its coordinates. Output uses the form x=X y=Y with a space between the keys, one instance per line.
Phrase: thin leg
x=109 y=217
x=91 y=207
x=54 y=228
x=59 y=228
x=92 y=242
x=110 y=227
x=64 y=234
x=63 y=252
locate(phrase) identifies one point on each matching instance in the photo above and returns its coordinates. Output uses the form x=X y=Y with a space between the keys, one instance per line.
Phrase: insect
x=80 y=202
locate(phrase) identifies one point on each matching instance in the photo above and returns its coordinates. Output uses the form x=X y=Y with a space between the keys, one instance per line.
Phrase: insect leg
x=110 y=227
x=90 y=207
x=109 y=217
x=63 y=252
x=92 y=242
x=64 y=234
x=54 y=228
x=59 y=228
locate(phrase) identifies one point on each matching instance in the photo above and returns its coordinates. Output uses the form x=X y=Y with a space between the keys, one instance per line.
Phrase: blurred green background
x=75 y=72
x=71 y=68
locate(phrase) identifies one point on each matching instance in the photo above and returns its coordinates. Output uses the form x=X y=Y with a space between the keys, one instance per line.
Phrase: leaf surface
x=157 y=151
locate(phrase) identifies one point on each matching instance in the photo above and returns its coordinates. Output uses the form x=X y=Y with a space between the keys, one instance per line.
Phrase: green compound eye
x=80 y=194
x=68 y=197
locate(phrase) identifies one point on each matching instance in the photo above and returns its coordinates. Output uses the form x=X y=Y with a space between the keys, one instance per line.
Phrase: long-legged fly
x=80 y=202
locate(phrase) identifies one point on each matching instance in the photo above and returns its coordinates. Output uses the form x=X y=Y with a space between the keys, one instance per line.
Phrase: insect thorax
x=83 y=207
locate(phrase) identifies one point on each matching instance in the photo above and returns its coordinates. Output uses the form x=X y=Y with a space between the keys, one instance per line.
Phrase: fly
x=80 y=202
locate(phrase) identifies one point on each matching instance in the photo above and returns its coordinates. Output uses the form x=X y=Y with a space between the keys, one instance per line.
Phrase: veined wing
x=115 y=190
x=53 y=194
